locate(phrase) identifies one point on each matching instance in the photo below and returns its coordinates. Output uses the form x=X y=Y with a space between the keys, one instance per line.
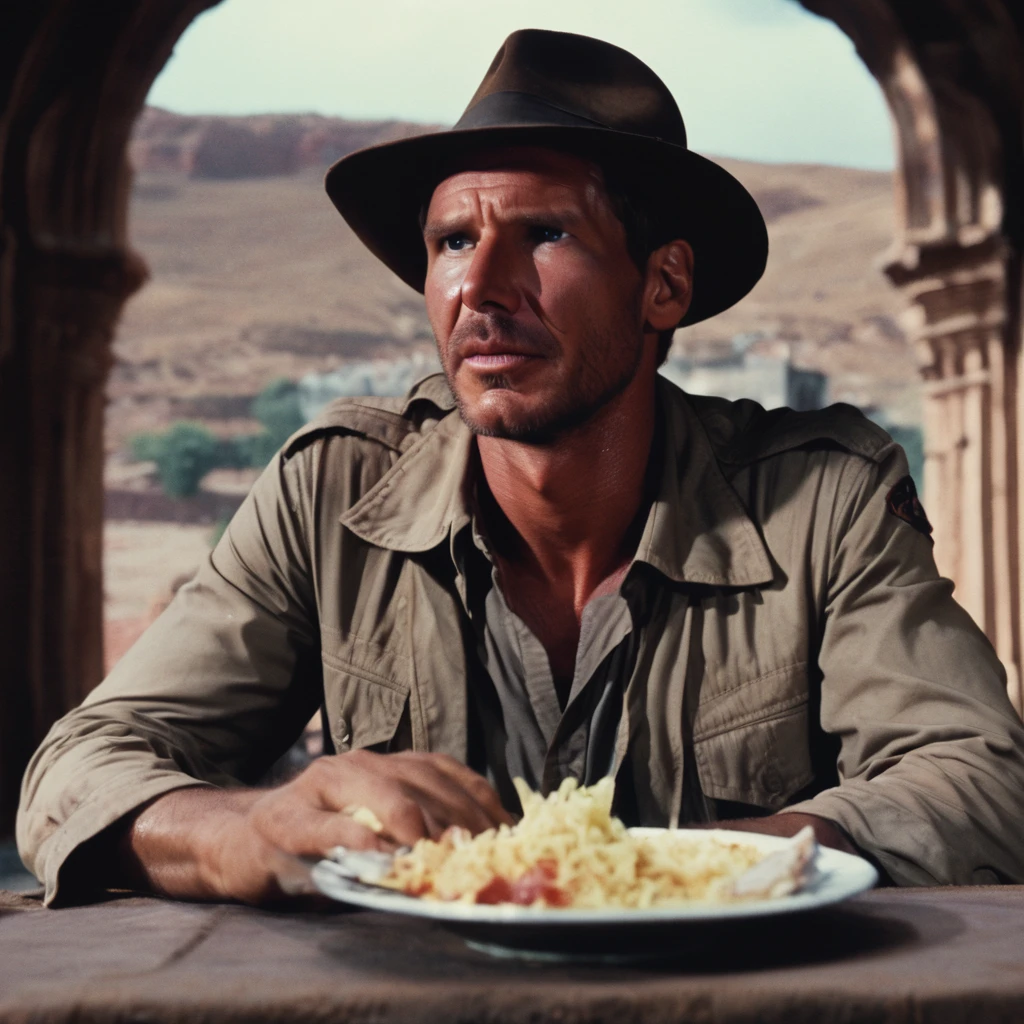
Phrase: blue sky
x=755 y=79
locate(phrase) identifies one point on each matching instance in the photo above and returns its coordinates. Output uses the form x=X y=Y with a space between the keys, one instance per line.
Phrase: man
x=550 y=562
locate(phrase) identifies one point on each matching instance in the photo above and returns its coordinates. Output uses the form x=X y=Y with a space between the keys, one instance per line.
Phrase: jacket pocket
x=363 y=710
x=751 y=741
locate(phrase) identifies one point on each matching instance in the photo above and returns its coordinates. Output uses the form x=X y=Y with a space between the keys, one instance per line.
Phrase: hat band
x=520 y=110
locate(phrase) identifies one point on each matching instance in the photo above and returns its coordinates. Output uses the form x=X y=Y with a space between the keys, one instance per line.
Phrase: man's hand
x=204 y=843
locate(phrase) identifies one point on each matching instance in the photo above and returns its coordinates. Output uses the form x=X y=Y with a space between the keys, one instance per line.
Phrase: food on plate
x=569 y=851
x=365 y=817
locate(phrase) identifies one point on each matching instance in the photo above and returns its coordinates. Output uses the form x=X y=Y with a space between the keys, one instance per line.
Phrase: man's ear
x=669 y=285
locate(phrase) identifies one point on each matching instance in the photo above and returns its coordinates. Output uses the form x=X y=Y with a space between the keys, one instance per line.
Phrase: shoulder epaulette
x=388 y=421
x=744 y=432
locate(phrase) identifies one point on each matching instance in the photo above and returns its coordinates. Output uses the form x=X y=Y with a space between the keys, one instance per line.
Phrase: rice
x=569 y=851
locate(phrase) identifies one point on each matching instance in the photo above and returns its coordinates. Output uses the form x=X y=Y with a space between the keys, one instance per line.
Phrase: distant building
x=383 y=378
x=771 y=380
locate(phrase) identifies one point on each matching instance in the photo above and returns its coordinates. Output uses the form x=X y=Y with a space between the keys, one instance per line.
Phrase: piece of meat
x=780 y=873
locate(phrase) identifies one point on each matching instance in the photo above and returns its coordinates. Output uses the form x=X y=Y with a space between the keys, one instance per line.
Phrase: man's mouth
x=496 y=356
x=498 y=347
x=498 y=362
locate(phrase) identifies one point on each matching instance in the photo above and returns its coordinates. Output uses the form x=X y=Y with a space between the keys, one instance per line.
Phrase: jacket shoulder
x=743 y=432
x=390 y=422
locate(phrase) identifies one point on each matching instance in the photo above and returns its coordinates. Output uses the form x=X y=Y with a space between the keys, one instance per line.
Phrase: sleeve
x=931 y=757
x=212 y=694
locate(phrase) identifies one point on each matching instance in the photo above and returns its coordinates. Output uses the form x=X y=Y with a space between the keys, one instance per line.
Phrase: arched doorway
x=76 y=78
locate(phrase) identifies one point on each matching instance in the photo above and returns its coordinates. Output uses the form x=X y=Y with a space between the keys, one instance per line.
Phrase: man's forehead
x=526 y=168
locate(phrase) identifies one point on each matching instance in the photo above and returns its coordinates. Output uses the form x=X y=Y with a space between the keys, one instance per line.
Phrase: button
x=342 y=736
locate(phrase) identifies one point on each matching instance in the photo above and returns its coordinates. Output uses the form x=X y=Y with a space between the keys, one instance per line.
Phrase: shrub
x=254 y=450
x=277 y=409
x=183 y=456
x=188 y=451
x=146 y=447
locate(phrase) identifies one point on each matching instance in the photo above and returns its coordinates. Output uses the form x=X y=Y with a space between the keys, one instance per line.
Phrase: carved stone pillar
x=960 y=320
x=951 y=73
x=73 y=77
x=65 y=306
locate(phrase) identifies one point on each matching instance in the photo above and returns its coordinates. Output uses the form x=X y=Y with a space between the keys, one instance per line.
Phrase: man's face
x=532 y=295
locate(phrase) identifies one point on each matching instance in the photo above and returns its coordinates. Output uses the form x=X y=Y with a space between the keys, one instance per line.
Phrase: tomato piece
x=537 y=884
x=497 y=890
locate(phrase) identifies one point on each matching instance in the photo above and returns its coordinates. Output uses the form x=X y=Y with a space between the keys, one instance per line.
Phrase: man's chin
x=512 y=421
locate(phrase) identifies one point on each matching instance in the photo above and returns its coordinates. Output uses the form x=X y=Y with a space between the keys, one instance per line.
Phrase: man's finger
x=413 y=795
x=312 y=832
x=476 y=785
x=442 y=796
x=358 y=779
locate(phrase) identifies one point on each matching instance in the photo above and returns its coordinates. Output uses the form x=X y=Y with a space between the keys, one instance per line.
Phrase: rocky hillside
x=254 y=275
x=229 y=148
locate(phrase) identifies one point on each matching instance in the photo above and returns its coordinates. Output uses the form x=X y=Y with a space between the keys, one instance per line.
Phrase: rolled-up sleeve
x=931 y=761
x=212 y=694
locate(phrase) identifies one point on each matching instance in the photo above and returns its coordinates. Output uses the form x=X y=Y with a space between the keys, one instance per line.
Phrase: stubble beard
x=605 y=373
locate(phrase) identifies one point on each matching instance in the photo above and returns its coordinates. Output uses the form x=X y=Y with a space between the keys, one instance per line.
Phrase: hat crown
x=584 y=96
x=588 y=78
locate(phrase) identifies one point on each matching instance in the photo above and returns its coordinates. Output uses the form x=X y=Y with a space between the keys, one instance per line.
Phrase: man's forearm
x=788 y=823
x=175 y=846
x=243 y=844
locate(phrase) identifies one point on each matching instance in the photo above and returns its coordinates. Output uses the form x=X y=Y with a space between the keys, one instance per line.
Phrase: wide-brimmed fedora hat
x=586 y=96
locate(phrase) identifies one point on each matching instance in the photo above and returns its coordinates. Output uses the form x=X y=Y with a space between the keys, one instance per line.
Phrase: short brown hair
x=642 y=236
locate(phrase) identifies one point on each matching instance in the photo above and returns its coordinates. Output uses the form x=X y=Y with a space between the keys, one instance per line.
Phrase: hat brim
x=380 y=192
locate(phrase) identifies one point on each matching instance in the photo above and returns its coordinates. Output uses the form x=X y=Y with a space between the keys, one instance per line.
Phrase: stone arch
x=74 y=76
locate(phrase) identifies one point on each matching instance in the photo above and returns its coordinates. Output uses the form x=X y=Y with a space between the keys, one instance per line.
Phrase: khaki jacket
x=802 y=652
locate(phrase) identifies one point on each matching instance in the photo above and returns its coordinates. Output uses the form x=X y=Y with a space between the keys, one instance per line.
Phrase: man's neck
x=566 y=515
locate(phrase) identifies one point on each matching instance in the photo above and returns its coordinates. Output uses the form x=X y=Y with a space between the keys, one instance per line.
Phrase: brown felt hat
x=586 y=96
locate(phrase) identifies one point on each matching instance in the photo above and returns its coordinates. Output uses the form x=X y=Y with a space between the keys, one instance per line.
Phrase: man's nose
x=490 y=281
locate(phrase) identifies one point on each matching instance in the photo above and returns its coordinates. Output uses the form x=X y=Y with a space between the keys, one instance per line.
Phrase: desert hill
x=227 y=148
x=255 y=276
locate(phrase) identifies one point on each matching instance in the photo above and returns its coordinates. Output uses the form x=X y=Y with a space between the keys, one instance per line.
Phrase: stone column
x=954 y=85
x=65 y=306
x=963 y=329
x=73 y=77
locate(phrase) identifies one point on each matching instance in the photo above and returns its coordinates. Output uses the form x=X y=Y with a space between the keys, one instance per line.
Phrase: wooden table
x=938 y=955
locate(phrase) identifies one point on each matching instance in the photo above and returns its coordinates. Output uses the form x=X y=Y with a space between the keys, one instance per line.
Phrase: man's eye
x=547 y=233
x=456 y=243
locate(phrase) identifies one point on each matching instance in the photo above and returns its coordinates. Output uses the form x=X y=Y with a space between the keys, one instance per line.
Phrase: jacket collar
x=421 y=499
x=697 y=531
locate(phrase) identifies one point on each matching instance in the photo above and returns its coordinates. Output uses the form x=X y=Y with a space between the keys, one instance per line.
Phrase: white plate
x=838 y=877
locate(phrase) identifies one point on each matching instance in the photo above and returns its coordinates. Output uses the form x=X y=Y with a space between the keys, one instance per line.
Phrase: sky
x=755 y=79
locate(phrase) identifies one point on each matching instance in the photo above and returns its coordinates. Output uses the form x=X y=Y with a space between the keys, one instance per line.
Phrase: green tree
x=146 y=447
x=277 y=409
x=188 y=451
x=254 y=450
x=183 y=456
